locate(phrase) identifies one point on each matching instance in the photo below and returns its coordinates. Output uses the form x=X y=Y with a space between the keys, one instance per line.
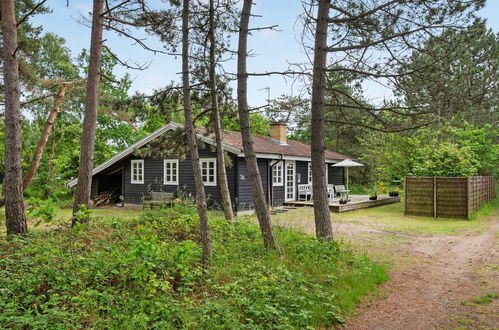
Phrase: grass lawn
x=391 y=218
x=129 y=269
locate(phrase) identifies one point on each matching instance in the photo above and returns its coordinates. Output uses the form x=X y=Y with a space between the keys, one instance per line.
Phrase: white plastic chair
x=330 y=192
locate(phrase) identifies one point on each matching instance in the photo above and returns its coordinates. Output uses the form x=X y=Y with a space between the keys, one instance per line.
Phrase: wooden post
x=468 y=206
x=434 y=196
x=405 y=195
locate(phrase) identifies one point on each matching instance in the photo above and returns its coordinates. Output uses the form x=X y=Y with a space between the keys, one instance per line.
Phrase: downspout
x=236 y=193
x=271 y=187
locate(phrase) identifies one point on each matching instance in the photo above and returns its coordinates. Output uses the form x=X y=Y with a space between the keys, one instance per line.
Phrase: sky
x=272 y=50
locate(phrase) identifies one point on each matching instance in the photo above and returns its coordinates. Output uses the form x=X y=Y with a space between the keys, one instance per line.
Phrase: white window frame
x=208 y=161
x=141 y=162
x=277 y=174
x=166 y=180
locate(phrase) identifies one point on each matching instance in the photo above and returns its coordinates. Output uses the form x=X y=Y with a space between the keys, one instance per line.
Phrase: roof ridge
x=268 y=138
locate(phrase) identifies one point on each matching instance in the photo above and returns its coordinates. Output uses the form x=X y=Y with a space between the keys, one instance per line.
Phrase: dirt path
x=428 y=292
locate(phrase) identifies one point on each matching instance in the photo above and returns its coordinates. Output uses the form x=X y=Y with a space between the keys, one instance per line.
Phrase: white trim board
x=283 y=157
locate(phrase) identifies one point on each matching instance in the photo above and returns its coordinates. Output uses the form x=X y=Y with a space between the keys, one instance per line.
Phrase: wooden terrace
x=355 y=202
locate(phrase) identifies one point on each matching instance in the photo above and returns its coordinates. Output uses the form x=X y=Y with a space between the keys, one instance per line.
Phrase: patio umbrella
x=347 y=163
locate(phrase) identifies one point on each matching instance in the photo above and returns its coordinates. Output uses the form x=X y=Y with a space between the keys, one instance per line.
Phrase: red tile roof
x=266 y=145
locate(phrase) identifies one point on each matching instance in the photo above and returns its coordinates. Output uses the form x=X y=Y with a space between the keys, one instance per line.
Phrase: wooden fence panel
x=419 y=200
x=451 y=196
x=447 y=197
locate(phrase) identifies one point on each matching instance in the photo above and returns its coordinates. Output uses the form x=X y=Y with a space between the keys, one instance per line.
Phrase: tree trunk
x=191 y=139
x=261 y=207
x=42 y=142
x=15 y=219
x=51 y=167
x=337 y=138
x=222 y=173
x=90 y=120
x=323 y=228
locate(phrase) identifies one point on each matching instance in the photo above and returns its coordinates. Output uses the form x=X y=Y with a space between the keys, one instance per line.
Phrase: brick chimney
x=278 y=132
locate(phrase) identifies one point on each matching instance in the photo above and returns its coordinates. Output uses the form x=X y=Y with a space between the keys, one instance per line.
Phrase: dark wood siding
x=237 y=175
x=278 y=196
x=277 y=191
x=244 y=196
x=336 y=175
x=95 y=186
x=301 y=173
x=153 y=180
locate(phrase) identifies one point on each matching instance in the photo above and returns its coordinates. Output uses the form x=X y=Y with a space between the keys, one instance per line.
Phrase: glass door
x=290 y=181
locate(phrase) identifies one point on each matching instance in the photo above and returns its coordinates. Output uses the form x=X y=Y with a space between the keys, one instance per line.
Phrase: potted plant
x=393 y=193
x=373 y=195
x=343 y=200
x=394 y=190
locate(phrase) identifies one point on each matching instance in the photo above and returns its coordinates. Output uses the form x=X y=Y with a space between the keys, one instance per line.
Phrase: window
x=170 y=172
x=277 y=175
x=209 y=171
x=310 y=173
x=137 y=171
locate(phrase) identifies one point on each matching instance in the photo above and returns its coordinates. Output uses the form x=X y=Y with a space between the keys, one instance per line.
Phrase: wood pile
x=109 y=197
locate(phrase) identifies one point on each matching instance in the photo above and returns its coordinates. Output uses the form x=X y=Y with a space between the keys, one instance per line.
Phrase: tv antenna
x=268 y=92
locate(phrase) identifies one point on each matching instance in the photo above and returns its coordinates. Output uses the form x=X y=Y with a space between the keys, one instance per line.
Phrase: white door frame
x=286 y=180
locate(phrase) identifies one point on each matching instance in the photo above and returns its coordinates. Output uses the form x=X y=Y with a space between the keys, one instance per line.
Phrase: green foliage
x=488 y=209
x=449 y=151
x=259 y=124
x=485 y=299
x=457 y=75
x=357 y=189
x=43 y=210
x=146 y=273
